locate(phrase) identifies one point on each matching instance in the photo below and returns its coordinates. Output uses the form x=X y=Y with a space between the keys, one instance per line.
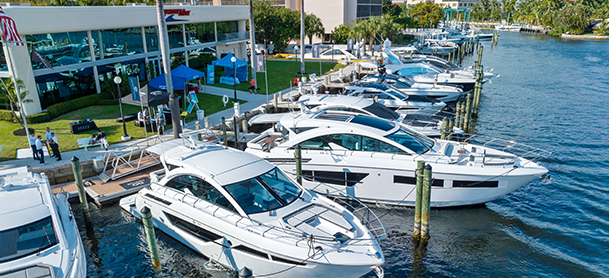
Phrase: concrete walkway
x=253 y=101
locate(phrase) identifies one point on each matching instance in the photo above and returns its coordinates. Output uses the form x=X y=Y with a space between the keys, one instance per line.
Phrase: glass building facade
x=118 y=51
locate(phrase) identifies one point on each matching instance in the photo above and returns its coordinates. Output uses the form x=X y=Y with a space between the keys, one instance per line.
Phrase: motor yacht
x=428 y=126
x=239 y=211
x=38 y=232
x=375 y=160
x=394 y=99
x=408 y=86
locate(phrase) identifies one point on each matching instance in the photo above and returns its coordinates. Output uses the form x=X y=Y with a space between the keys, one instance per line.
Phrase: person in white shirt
x=39 y=149
x=48 y=136
x=54 y=145
x=32 y=139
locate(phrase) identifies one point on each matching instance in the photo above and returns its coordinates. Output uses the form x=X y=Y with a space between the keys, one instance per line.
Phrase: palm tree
x=313 y=27
x=7 y=86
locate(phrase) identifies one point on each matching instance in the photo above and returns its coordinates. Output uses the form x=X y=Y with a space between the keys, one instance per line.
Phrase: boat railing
x=522 y=150
x=206 y=135
x=365 y=215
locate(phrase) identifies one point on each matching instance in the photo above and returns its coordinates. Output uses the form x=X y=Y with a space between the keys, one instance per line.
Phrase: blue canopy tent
x=240 y=66
x=187 y=73
x=159 y=82
x=179 y=76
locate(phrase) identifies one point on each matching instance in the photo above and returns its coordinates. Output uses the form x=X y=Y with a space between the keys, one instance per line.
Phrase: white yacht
x=394 y=99
x=374 y=160
x=406 y=85
x=38 y=232
x=241 y=211
x=347 y=104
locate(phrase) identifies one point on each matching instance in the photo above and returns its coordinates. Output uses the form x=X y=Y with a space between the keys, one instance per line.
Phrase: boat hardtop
x=38 y=232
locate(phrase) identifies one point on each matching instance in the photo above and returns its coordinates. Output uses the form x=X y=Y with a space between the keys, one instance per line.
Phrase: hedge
x=72 y=105
x=7 y=115
x=62 y=108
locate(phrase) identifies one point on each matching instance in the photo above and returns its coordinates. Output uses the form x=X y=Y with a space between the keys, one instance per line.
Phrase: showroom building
x=87 y=46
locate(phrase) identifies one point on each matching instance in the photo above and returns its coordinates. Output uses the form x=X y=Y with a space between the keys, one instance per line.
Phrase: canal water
x=552 y=94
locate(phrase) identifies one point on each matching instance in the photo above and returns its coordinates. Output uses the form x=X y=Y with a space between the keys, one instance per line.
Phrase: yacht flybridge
x=241 y=211
x=374 y=160
x=38 y=232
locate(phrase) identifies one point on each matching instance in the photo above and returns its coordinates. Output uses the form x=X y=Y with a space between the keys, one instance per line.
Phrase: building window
x=229 y=30
x=152 y=38
x=117 y=42
x=3 y=66
x=200 y=33
x=59 y=87
x=61 y=48
x=176 y=36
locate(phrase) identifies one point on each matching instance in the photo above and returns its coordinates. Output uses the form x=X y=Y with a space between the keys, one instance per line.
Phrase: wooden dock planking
x=124 y=168
x=106 y=192
x=113 y=190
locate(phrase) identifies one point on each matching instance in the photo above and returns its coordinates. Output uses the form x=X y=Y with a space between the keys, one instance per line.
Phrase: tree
x=275 y=24
x=7 y=86
x=313 y=27
x=427 y=13
x=341 y=34
x=393 y=10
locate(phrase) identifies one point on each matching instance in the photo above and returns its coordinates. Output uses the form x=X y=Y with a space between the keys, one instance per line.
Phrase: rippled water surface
x=552 y=94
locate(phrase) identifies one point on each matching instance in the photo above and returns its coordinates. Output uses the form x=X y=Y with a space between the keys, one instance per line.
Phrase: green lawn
x=104 y=117
x=280 y=75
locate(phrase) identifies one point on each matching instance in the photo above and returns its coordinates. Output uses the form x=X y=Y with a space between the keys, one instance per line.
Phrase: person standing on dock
x=32 y=139
x=48 y=136
x=39 y=148
x=54 y=145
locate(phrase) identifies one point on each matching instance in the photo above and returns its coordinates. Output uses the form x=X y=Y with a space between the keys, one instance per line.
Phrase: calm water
x=551 y=94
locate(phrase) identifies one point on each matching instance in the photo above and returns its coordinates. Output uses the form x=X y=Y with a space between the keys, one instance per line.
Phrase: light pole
x=296 y=59
x=118 y=80
x=236 y=102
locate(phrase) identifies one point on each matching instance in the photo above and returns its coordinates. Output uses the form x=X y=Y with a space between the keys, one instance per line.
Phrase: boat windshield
x=416 y=142
x=382 y=111
x=27 y=239
x=269 y=191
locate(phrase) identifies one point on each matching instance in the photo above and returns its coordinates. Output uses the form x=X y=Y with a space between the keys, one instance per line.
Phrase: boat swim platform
x=111 y=191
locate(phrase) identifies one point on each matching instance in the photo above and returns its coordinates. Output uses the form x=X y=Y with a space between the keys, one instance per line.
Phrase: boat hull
x=391 y=181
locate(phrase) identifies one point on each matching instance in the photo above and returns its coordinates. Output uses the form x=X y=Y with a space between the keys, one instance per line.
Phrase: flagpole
x=266 y=78
x=12 y=70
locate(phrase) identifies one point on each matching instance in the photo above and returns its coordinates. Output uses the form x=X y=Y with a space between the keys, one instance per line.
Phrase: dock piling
x=152 y=246
x=82 y=194
x=450 y=130
x=236 y=128
x=444 y=128
x=417 y=209
x=468 y=112
x=425 y=202
x=224 y=132
x=298 y=158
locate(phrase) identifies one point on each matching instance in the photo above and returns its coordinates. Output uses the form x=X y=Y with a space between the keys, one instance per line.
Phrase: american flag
x=9 y=29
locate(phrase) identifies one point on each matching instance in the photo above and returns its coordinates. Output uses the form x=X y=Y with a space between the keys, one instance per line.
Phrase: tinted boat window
x=200 y=189
x=269 y=191
x=415 y=142
x=382 y=112
x=373 y=122
x=26 y=240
